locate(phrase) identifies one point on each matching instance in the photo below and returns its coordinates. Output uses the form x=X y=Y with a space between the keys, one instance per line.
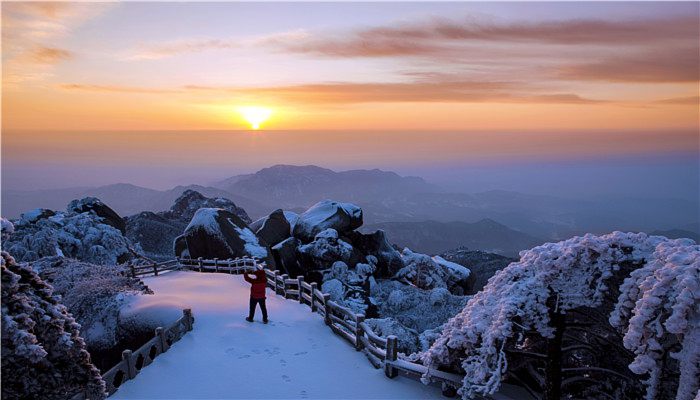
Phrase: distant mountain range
x=289 y=186
x=434 y=237
x=387 y=197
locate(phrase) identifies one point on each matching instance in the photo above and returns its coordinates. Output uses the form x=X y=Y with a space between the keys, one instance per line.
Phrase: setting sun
x=255 y=115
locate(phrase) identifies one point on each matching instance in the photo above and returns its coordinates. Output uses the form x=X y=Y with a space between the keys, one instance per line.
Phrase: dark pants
x=253 y=302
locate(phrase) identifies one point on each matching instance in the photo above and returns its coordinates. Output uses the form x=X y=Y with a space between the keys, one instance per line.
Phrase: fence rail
x=133 y=362
x=382 y=352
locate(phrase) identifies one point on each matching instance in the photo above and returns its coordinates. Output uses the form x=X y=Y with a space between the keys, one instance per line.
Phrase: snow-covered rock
x=285 y=256
x=324 y=250
x=482 y=265
x=217 y=233
x=327 y=214
x=388 y=260
x=190 y=201
x=94 y=205
x=84 y=236
x=273 y=228
x=156 y=232
x=434 y=272
x=43 y=355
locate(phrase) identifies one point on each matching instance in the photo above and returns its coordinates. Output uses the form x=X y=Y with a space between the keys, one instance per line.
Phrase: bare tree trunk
x=553 y=370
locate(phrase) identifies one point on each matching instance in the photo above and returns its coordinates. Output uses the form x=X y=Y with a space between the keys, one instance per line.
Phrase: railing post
x=448 y=391
x=391 y=355
x=359 y=318
x=161 y=336
x=133 y=270
x=216 y=264
x=130 y=367
x=201 y=263
x=284 y=285
x=300 y=280
x=327 y=307
x=187 y=312
x=155 y=269
x=313 y=296
x=230 y=266
x=274 y=279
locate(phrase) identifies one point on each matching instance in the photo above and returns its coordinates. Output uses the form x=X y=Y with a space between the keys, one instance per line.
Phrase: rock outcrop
x=327 y=214
x=218 y=233
x=94 y=205
x=482 y=264
x=273 y=228
x=156 y=232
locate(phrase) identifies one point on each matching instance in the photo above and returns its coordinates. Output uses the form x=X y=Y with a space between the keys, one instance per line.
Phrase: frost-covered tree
x=544 y=318
x=94 y=295
x=659 y=312
x=43 y=355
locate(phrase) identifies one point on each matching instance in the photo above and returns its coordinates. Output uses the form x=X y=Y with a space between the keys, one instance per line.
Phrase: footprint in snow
x=244 y=356
x=283 y=362
x=256 y=351
x=286 y=378
x=230 y=350
x=304 y=394
x=301 y=353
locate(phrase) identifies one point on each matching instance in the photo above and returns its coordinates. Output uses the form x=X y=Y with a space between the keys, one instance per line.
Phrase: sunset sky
x=401 y=86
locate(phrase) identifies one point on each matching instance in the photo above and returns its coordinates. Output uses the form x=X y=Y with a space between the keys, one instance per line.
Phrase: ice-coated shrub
x=43 y=355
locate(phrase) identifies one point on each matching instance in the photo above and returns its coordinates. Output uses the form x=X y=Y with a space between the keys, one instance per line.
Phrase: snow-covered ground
x=294 y=356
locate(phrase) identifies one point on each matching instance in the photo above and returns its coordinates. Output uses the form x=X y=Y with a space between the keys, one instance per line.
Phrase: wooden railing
x=153 y=269
x=133 y=362
x=382 y=352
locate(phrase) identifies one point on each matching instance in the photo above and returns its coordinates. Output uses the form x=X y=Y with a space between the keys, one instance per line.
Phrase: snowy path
x=295 y=356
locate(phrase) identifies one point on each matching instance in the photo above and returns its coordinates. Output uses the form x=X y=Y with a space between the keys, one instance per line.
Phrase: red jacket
x=257 y=291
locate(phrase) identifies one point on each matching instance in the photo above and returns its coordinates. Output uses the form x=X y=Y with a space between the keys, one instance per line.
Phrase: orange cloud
x=679 y=64
x=47 y=55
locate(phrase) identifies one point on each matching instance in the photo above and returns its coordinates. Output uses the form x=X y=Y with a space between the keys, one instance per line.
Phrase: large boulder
x=95 y=205
x=156 y=232
x=285 y=256
x=482 y=264
x=428 y=273
x=327 y=214
x=376 y=244
x=273 y=228
x=190 y=201
x=217 y=233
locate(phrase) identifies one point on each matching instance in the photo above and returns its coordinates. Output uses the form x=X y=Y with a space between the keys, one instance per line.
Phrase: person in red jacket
x=257 y=292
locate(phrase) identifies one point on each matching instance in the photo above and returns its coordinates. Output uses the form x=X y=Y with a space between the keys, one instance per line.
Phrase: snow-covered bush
x=6 y=229
x=533 y=295
x=415 y=308
x=408 y=338
x=433 y=272
x=43 y=355
x=82 y=236
x=93 y=294
x=659 y=313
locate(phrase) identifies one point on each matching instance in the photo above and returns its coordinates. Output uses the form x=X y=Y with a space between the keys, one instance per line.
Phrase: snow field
x=294 y=356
